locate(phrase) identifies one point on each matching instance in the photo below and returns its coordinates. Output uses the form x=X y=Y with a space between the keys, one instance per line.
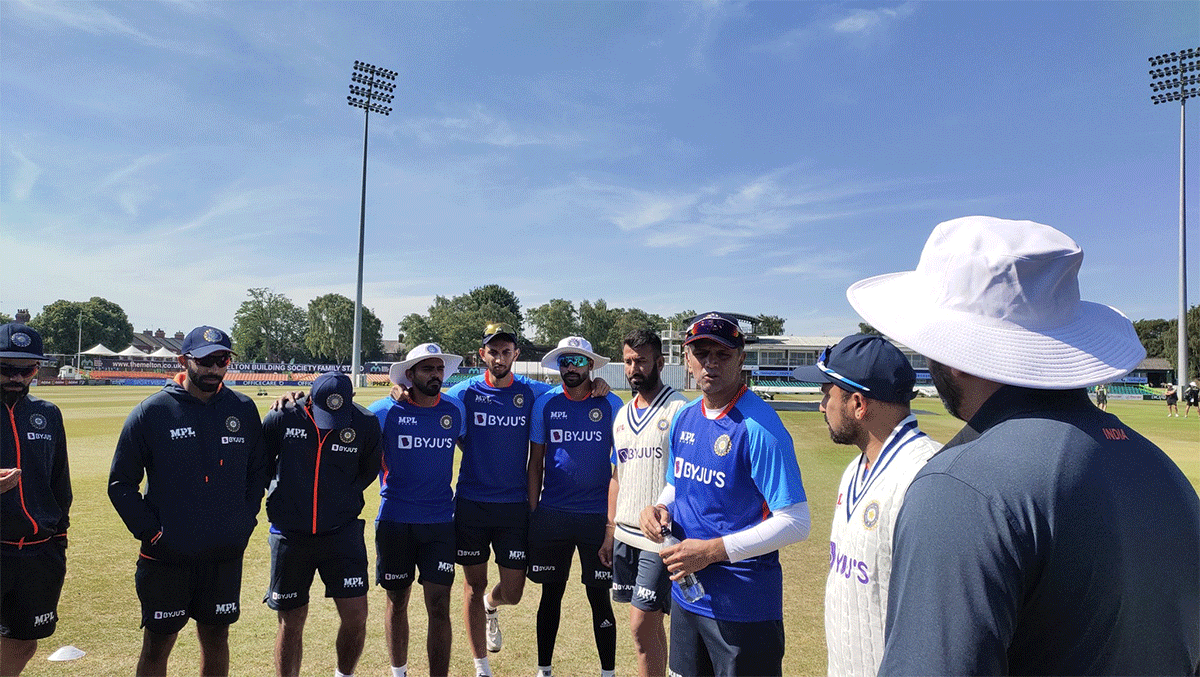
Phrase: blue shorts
x=706 y=646
x=340 y=556
x=400 y=548
x=554 y=535
x=31 y=581
x=171 y=593
x=640 y=578
x=502 y=526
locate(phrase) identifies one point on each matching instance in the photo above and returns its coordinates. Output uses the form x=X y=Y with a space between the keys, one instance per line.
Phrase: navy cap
x=719 y=327
x=332 y=397
x=498 y=330
x=18 y=341
x=205 y=340
x=866 y=364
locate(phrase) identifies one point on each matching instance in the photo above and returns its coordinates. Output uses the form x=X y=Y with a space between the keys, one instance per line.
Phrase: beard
x=13 y=392
x=205 y=383
x=430 y=388
x=645 y=383
x=499 y=369
x=948 y=389
x=572 y=379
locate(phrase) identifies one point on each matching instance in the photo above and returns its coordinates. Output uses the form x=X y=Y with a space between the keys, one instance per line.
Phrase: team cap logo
x=721 y=446
x=347 y=435
x=575 y=343
x=518 y=400
x=232 y=424
x=38 y=421
x=663 y=424
x=595 y=415
x=21 y=340
x=447 y=422
x=213 y=335
x=333 y=402
x=871 y=515
x=432 y=349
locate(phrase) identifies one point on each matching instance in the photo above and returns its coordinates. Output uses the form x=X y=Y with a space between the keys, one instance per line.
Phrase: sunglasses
x=834 y=375
x=210 y=361
x=494 y=328
x=573 y=361
x=12 y=370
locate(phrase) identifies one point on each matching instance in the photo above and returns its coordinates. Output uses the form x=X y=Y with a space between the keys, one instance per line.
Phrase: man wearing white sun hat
x=416 y=516
x=1046 y=536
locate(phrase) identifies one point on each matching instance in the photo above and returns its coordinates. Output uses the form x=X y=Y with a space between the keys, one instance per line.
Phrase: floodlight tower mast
x=378 y=88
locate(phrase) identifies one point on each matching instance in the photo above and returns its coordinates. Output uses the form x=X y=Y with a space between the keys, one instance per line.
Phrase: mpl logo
x=446 y=566
x=558 y=414
x=686 y=437
x=603 y=575
x=645 y=594
x=516 y=555
x=227 y=608
x=353 y=582
x=43 y=619
x=182 y=433
x=295 y=433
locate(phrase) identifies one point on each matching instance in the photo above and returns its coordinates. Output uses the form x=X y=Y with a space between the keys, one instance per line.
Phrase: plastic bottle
x=690 y=586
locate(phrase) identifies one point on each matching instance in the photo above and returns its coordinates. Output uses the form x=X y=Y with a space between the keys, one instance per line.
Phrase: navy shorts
x=402 y=548
x=706 y=646
x=640 y=578
x=31 y=580
x=554 y=535
x=504 y=527
x=340 y=556
x=209 y=592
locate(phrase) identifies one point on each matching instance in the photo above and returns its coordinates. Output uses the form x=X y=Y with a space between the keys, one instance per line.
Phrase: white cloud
x=25 y=175
x=868 y=20
x=479 y=126
x=86 y=17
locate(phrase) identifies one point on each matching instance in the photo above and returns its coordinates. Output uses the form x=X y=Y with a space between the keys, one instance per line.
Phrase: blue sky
x=750 y=157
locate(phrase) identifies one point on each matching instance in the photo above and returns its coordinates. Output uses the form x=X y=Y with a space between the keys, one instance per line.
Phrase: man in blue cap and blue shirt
x=325 y=452
x=867 y=384
x=734 y=497
x=199 y=446
x=35 y=499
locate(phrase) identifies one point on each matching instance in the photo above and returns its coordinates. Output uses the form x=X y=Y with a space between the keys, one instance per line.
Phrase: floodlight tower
x=1173 y=77
x=378 y=88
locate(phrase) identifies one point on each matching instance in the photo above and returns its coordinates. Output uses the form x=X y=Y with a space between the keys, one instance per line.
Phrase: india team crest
x=38 y=421
x=432 y=349
x=574 y=342
x=232 y=424
x=663 y=424
x=518 y=400
x=595 y=415
x=871 y=515
x=21 y=340
x=447 y=422
x=333 y=402
x=347 y=435
x=721 y=446
x=213 y=335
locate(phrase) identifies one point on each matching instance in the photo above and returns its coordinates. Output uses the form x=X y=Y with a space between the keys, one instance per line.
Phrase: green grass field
x=99 y=609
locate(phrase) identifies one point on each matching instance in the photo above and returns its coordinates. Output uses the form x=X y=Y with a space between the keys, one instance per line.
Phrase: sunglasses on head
x=836 y=376
x=714 y=327
x=12 y=370
x=210 y=361
x=494 y=328
x=573 y=361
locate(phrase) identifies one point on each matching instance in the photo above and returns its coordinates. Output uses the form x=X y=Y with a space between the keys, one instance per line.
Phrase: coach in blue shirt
x=734 y=498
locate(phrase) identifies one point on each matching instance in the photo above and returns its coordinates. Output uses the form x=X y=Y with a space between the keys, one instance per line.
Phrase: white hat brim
x=1098 y=345
x=397 y=373
x=550 y=361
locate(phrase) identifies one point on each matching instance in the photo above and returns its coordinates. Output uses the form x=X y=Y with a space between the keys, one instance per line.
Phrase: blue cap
x=867 y=364
x=718 y=327
x=332 y=398
x=18 y=341
x=205 y=340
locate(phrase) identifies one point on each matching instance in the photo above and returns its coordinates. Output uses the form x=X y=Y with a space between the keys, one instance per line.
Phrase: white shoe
x=495 y=640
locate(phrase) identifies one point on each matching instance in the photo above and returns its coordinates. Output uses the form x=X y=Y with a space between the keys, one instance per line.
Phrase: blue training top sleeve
x=537 y=427
x=671 y=446
x=773 y=465
x=380 y=408
x=462 y=413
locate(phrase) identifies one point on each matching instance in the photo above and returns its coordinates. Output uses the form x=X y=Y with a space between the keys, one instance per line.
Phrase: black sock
x=548 y=615
x=604 y=625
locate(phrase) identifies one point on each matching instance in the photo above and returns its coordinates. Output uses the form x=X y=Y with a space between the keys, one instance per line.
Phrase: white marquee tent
x=99 y=349
x=131 y=351
x=162 y=352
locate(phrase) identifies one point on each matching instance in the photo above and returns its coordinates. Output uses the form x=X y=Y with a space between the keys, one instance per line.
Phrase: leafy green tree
x=330 y=333
x=1152 y=334
x=680 y=321
x=864 y=328
x=268 y=327
x=5 y=318
x=769 y=325
x=457 y=323
x=101 y=320
x=1170 y=340
x=598 y=324
x=635 y=318
x=554 y=320
x=415 y=330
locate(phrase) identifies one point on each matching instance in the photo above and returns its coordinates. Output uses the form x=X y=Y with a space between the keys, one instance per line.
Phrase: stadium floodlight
x=1169 y=77
x=372 y=98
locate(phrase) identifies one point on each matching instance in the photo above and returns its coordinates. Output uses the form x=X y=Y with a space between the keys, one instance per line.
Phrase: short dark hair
x=643 y=337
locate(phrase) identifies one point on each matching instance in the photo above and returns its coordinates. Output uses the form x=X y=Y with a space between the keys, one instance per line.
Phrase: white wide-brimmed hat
x=422 y=352
x=999 y=299
x=573 y=345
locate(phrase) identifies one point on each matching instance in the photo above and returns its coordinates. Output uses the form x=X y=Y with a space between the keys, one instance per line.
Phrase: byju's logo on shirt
x=485 y=420
x=181 y=433
x=413 y=442
x=691 y=471
x=558 y=436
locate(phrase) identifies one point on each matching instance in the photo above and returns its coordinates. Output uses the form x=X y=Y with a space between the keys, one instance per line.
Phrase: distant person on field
x=867 y=384
x=570 y=445
x=1102 y=397
x=325 y=451
x=415 y=528
x=641 y=438
x=199 y=446
x=1046 y=537
x=734 y=497
x=1172 y=400
x=1191 y=397
x=35 y=502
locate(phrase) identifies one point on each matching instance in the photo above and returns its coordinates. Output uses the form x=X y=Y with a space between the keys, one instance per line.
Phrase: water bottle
x=690 y=586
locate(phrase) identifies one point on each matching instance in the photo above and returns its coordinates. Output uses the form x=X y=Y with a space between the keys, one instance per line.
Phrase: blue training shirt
x=496 y=444
x=418 y=459
x=579 y=441
x=729 y=474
